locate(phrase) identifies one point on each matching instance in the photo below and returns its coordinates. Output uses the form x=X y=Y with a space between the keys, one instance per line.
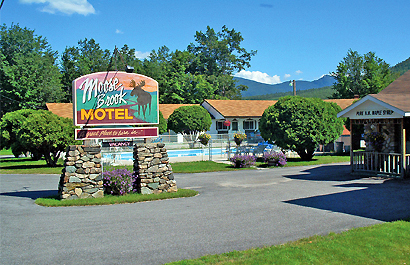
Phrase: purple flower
x=276 y=158
x=243 y=160
x=119 y=181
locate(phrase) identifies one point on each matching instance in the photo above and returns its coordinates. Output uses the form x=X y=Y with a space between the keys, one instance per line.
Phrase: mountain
x=402 y=67
x=256 y=88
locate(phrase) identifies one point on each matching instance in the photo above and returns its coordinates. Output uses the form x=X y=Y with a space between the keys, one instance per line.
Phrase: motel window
x=234 y=125
x=249 y=125
x=221 y=128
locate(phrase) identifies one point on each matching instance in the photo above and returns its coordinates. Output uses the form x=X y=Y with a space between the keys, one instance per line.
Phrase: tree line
x=32 y=73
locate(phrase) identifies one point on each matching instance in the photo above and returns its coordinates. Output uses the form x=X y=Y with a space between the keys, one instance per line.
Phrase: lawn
x=386 y=243
x=109 y=199
x=25 y=165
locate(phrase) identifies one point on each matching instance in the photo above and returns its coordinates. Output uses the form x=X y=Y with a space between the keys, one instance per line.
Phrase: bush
x=301 y=124
x=275 y=158
x=119 y=182
x=243 y=160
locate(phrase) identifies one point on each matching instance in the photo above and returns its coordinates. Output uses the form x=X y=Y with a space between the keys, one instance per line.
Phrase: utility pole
x=293 y=82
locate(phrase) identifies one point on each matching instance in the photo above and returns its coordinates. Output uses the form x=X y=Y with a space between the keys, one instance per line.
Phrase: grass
x=386 y=243
x=4 y=152
x=25 y=165
x=109 y=199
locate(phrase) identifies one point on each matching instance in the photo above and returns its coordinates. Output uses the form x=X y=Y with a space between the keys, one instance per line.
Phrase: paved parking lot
x=234 y=211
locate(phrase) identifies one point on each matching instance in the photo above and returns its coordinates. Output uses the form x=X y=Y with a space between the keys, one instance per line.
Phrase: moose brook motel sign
x=115 y=99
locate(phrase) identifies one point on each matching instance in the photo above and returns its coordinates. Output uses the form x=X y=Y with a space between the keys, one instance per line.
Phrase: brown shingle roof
x=66 y=109
x=167 y=109
x=240 y=108
x=61 y=109
x=228 y=108
x=397 y=94
x=255 y=108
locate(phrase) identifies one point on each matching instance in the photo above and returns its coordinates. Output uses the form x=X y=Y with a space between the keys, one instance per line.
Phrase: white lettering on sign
x=374 y=112
x=100 y=91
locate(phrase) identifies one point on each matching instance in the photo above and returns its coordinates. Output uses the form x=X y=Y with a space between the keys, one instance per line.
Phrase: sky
x=294 y=39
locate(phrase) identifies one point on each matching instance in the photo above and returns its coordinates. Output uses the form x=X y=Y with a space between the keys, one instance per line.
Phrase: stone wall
x=82 y=173
x=151 y=164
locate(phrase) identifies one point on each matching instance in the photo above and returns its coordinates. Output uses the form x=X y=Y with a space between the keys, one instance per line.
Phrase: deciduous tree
x=189 y=121
x=47 y=134
x=301 y=124
x=29 y=76
x=360 y=75
x=86 y=58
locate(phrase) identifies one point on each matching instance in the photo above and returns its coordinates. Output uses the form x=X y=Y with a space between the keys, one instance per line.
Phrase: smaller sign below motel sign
x=384 y=112
x=115 y=133
x=115 y=98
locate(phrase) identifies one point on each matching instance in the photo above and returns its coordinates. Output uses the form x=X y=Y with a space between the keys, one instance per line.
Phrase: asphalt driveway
x=234 y=211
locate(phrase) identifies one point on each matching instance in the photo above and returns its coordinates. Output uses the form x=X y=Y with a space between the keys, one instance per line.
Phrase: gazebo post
x=351 y=145
x=403 y=149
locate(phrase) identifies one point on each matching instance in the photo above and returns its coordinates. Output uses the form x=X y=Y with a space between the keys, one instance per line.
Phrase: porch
x=380 y=164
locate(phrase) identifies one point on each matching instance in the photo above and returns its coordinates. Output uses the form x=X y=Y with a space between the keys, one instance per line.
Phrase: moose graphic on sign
x=143 y=97
x=110 y=98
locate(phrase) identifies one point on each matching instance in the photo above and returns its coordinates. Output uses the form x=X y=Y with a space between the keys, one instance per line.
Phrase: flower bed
x=119 y=182
x=277 y=159
x=240 y=161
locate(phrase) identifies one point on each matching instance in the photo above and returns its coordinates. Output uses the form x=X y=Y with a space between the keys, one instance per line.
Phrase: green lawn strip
x=25 y=165
x=386 y=243
x=109 y=199
x=4 y=152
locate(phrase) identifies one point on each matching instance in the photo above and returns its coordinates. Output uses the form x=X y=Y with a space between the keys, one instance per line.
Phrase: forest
x=32 y=73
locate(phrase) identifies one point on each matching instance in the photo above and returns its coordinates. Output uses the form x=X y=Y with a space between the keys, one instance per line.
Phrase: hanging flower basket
x=239 y=137
x=204 y=138
x=376 y=140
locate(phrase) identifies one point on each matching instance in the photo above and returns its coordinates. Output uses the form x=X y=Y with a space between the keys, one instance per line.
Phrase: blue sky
x=295 y=39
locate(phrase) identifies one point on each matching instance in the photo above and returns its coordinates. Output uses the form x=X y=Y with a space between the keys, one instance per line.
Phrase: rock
x=73 y=153
x=153 y=169
x=145 y=190
x=78 y=191
x=92 y=190
x=74 y=179
x=153 y=186
x=70 y=169
x=93 y=176
x=98 y=194
x=84 y=196
x=173 y=189
x=88 y=164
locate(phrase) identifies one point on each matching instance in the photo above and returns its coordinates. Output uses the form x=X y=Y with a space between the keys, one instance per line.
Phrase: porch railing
x=390 y=164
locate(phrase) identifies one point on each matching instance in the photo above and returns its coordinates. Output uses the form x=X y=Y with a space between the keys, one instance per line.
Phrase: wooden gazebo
x=383 y=121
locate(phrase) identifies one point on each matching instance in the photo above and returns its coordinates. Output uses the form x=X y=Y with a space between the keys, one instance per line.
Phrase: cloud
x=287 y=76
x=259 y=77
x=142 y=55
x=298 y=72
x=68 y=7
x=266 y=5
x=119 y=31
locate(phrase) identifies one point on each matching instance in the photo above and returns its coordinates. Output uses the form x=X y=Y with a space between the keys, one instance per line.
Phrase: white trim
x=212 y=110
x=374 y=100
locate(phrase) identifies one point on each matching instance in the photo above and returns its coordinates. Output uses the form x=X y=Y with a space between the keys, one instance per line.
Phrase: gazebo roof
x=395 y=97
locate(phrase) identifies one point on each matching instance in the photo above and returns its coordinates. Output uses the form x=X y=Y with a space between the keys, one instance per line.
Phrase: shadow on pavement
x=327 y=172
x=31 y=194
x=386 y=201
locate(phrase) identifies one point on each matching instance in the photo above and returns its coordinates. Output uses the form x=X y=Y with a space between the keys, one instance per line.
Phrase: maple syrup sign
x=115 y=98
